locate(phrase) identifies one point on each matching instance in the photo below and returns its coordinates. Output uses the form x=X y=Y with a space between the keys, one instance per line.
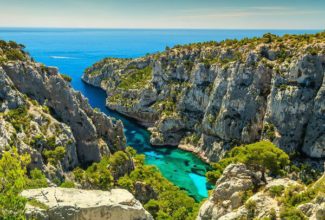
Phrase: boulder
x=63 y=203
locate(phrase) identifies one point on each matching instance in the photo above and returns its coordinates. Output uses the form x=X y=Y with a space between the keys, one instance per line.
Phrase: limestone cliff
x=209 y=97
x=42 y=115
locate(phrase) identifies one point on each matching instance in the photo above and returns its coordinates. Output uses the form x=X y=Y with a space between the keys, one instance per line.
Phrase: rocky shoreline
x=192 y=149
x=218 y=95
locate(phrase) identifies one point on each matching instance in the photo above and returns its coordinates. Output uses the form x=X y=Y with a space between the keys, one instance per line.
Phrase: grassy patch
x=67 y=184
x=136 y=80
x=19 y=118
x=38 y=204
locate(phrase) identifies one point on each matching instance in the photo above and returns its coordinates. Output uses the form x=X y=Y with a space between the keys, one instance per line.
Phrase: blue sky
x=242 y=14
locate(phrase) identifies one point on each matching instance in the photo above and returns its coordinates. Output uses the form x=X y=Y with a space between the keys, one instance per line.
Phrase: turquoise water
x=72 y=50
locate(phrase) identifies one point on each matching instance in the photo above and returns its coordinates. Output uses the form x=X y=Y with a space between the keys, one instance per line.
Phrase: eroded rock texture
x=42 y=115
x=239 y=194
x=214 y=96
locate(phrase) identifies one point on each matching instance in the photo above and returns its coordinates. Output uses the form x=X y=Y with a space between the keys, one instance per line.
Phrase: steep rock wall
x=209 y=97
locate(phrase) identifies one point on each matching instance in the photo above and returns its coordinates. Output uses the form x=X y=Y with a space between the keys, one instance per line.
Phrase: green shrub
x=15 y=54
x=276 y=190
x=67 y=184
x=213 y=176
x=37 y=180
x=269 y=38
x=308 y=174
x=13 y=181
x=272 y=214
x=136 y=80
x=246 y=195
x=250 y=205
x=262 y=156
x=120 y=163
x=66 y=77
x=291 y=213
x=295 y=195
x=38 y=204
x=19 y=118
x=79 y=174
x=312 y=51
x=269 y=131
x=96 y=176
x=54 y=156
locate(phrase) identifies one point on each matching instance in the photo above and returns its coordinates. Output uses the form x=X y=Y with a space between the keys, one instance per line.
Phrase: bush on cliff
x=66 y=77
x=12 y=181
x=137 y=79
x=262 y=156
x=101 y=175
x=96 y=176
x=19 y=118
x=37 y=180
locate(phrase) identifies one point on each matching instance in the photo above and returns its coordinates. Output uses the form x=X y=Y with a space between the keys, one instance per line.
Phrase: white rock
x=64 y=203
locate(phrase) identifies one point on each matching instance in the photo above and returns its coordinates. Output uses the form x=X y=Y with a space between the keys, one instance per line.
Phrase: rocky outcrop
x=214 y=96
x=239 y=194
x=42 y=115
x=90 y=128
x=229 y=192
x=61 y=203
x=314 y=210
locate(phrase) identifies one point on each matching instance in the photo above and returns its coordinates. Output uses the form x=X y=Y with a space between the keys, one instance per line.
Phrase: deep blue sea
x=72 y=50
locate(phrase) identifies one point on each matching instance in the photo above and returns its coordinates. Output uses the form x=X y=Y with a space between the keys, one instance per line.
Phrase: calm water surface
x=72 y=50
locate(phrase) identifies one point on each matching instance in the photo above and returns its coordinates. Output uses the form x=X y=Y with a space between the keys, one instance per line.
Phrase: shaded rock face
x=94 y=133
x=61 y=203
x=222 y=96
x=43 y=116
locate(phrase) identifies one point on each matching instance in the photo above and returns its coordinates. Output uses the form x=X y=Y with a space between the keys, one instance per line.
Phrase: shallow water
x=72 y=50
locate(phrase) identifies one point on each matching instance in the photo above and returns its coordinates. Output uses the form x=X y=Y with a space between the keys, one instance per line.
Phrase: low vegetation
x=170 y=202
x=137 y=79
x=297 y=195
x=96 y=176
x=262 y=156
x=54 y=156
x=11 y=51
x=66 y=77
x=19 y=118
x=13 y=176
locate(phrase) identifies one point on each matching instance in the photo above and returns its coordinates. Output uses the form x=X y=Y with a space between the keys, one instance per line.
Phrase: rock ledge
x=63 y=203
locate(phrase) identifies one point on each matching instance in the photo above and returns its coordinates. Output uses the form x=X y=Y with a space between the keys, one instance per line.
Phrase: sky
x=188 y=14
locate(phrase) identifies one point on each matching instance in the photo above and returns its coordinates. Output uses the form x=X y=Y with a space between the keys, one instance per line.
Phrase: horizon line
x=162 y=28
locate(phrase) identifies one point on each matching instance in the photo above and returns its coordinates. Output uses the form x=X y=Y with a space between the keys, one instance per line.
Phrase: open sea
x=72 y=50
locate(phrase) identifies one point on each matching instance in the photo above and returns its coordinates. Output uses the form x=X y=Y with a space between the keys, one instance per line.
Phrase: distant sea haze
x=73 y=50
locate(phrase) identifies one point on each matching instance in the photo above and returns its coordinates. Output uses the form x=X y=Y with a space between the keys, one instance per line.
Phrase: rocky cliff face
x=239 y=194
x=211 y=96
x=41 y=114
x=60 y=203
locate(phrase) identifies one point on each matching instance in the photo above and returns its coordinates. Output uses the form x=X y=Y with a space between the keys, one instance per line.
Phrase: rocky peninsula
x=209 y=97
